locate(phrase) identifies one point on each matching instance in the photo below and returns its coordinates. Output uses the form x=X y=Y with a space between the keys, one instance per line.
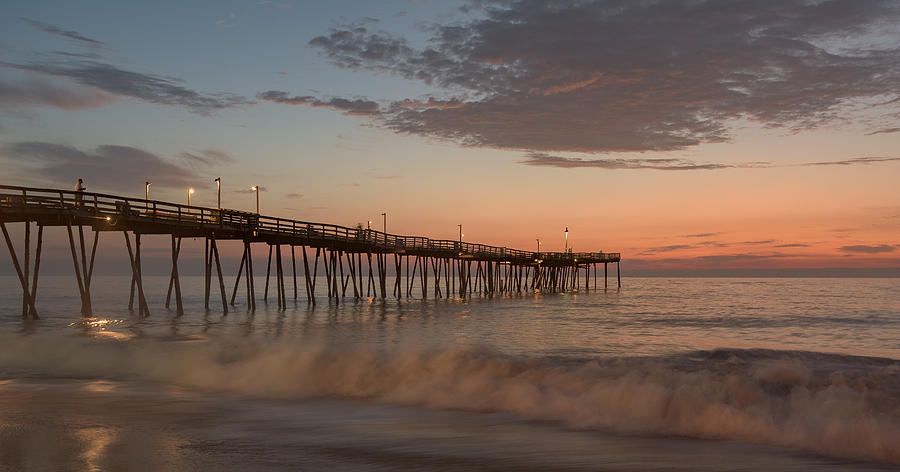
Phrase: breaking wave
x=839 y=405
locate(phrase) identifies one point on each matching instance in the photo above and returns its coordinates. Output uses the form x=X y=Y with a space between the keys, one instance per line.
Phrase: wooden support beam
x=309 y=292
x=26 y=306
x=382 y=283
x=207 y=275
x=268 y=271
x=86 y=298
x=479 y=282
x=453 y=267
x=436 y=270
x=238 y=279
x=462 y=276
x=247 y=277
x=282 y=303
x=172 y=278
x=327 y=265
x=619 y=272
x=335 y=258
x=351 y=262
x=179 y=307
x=369 y=283
x=410 y=283
x=359 y=271
x=344 y=280
x=131 y=293
x=26 y=294
x=447 y=276
x=383 y=275
x=252 y=282
x=140 y=274
x=398 y=259
x=294 y=270
x=135 y=259
x=315 y=273
x=37 y=267
x=215 y=251
x=84 y=311
x=424 y=272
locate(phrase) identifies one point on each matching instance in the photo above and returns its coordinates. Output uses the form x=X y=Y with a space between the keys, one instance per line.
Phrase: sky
x=689 y=135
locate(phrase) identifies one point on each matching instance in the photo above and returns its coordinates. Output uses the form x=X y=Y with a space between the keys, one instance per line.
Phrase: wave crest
x=838 y=405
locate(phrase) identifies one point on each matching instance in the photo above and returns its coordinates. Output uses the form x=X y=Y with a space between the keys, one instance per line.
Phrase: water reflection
x=95 y=440
x=100 y=327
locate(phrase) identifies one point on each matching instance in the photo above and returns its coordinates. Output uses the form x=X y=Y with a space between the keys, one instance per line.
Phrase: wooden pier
x=355 y=260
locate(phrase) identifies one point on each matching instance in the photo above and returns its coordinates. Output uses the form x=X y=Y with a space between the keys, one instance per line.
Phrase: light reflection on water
x=95 y=440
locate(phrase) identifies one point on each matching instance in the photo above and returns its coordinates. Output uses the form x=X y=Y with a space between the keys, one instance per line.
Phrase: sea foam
x=844 y=406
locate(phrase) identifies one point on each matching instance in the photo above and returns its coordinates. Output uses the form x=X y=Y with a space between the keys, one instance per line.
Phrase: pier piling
x=497 y=271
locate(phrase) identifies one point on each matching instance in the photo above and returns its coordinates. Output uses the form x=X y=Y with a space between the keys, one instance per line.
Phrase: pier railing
x=115 y=209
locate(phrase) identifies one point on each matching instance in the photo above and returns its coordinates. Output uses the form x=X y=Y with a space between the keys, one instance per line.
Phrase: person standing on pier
x=79 y=189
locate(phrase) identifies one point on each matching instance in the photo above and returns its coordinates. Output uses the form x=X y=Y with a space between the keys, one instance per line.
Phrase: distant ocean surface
x=664 y=374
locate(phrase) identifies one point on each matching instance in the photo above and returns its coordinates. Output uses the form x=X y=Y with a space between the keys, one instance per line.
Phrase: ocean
x=677 y=374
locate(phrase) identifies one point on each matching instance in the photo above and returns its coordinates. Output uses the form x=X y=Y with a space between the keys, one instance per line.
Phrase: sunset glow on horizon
x=687 y=135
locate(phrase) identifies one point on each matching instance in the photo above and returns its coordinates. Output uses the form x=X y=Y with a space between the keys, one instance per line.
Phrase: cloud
x=145 y=87
x=883 y=131
x=702 y=235
x=764 y=241
x=792 y=245
x=853 y=161
x=864 y=249
x=546 y=160
x=81 y=55
x=106 y=168
x=349 y=107
x=670 y=248
x=65 y=34
x=611 y=76
x=207 y=158
x=714 y=244
x=293 y=195
x=38 y=92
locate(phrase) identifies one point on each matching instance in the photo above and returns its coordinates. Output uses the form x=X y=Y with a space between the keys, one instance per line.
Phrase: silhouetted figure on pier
x=79 y=189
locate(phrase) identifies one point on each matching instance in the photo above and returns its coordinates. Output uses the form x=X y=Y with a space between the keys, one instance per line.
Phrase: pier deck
x=497 y=269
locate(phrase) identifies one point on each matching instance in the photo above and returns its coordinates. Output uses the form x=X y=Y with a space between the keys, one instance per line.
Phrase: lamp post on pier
x=256 y=188
x=539 y=245
x=219 y=193
x=147 y=185
x=460 y=233
x=190 y=192
x=384 y=215
x=567 y=239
